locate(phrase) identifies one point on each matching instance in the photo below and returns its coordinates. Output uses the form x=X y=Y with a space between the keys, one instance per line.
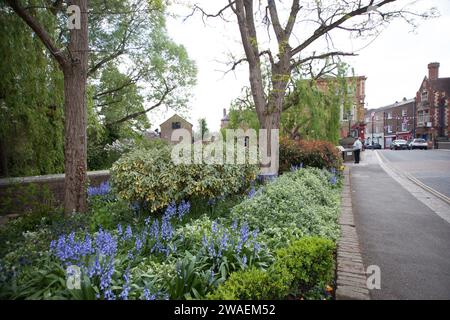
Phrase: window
x=404 y=126
x=176 y=125
x=389 y=129
x=389 y=115
x=423 y=117
x=424 y=96
x=404 y=113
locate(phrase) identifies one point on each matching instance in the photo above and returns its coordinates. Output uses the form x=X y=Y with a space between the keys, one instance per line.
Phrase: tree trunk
x=75 y=75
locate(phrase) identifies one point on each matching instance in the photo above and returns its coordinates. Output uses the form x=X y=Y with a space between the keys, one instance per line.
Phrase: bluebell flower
x=138 y=244
x=244 y=261
x=103 y=189
x=170 y=212
x=154 y=229
x=126 y=285
x=166 y=230
x=211 y=202
x=148 y=295
x=128 y=233
x=183 y=209
x=333 y=180
x=251 y=193
x=109 y=295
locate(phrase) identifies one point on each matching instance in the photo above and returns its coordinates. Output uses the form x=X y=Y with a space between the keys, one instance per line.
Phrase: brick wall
x=16 y=198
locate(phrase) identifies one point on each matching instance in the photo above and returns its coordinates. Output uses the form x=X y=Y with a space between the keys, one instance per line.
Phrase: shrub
x=252 y=284
x=309 y=260
x=318 y=154
x=303 y=265
x=297 y=204
x=153 y=180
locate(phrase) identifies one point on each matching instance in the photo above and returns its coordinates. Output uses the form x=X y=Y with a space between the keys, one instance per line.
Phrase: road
x=404 y=237
x=431 y=167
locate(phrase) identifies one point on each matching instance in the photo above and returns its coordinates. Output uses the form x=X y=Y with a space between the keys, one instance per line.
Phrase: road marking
x=426 y=196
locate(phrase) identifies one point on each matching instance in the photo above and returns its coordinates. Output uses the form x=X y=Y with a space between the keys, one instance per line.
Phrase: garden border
x=351 y=280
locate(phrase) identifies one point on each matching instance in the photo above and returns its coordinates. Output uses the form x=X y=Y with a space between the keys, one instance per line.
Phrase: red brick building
x=433 y=99
x=353 y=118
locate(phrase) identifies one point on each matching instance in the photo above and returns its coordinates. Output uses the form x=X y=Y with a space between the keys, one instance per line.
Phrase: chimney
x=224 y=112
x=433 y=71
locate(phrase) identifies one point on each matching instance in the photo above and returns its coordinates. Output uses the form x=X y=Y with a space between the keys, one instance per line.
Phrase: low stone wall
x=19 y=195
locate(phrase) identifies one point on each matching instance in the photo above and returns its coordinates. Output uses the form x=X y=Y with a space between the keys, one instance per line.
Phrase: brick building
x=395 y=121
x=433 y=96
x=353 y=118
x=173 y=123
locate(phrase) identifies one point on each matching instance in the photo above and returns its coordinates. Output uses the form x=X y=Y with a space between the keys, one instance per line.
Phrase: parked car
x=399 y=145
x=418 y=144
x=373 y=146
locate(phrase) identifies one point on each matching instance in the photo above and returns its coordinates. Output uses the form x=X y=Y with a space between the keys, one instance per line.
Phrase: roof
x=397 y=104
x=441 y=85
x=177 y=117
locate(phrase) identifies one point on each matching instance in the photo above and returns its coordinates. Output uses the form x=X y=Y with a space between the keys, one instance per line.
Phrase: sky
x=395 y=63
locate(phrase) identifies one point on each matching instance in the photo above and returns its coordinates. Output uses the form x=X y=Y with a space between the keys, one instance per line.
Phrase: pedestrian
x=357 y=146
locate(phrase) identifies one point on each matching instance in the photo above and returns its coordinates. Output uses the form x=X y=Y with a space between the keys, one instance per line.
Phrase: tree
x=354 y=16
x=203 y=128
x=309 y=111
x=73 y=63
x=130 y=33
x=31 y=98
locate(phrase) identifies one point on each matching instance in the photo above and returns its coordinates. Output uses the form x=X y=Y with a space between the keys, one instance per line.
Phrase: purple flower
x=183 y=209
x=148 y=295
x=251 y=193
x=244 y=261
x=126 y=286
x=103 y=189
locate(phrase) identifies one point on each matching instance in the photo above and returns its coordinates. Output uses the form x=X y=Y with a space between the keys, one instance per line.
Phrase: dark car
x=399 y=145
x=373 y=146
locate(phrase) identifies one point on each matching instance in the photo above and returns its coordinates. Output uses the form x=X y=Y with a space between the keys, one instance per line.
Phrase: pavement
x=402 y=229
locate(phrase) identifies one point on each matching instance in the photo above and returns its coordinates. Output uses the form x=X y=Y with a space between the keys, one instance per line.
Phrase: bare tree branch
x=322 y=56
x=327 y=28
x=140 y=113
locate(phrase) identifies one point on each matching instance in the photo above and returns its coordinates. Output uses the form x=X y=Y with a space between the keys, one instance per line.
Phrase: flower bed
x=264 y=243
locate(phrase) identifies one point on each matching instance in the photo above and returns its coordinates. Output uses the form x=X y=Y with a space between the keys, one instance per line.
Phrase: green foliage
x=308 y=262
x=298 y=268
x=252 y=284
x=24 y=199
x=31 y=100
x=152 y=179
x=298 y=204
x=318 y=154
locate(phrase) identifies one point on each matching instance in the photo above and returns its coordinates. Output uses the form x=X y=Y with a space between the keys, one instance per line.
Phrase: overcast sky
x=395 y=63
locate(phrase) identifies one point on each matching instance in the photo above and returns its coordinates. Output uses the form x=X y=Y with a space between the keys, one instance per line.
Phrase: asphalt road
x=431 y=167
x=405 y=238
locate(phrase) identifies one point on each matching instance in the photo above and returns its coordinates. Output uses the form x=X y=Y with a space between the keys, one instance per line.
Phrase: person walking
x=357 y=146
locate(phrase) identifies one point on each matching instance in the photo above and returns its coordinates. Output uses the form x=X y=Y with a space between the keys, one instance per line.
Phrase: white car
x=418 y=144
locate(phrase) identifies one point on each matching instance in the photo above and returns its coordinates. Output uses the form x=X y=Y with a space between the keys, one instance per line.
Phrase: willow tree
x=309 y=24
x=73 y=62
x=130 y=33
